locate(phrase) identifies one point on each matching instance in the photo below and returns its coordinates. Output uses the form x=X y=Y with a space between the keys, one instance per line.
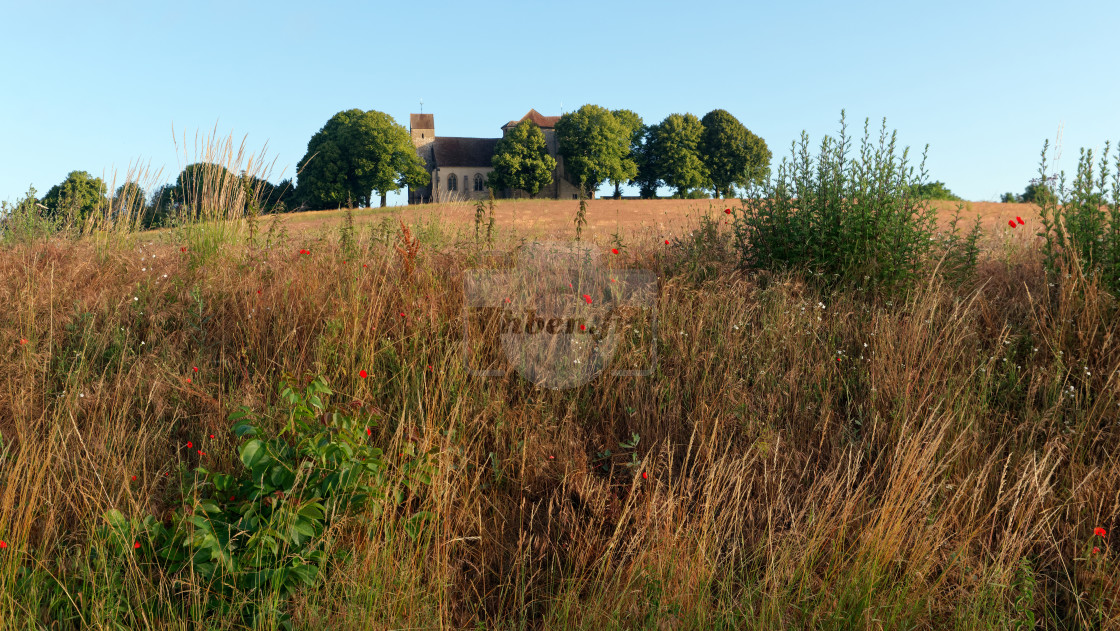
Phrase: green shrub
x=253 y=537
x=843 y=220
x=1081 y=224
x=25 y=220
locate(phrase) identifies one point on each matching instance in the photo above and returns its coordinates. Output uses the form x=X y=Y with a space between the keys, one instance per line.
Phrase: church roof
x=422 y=121
x=540 y=120
x=451 y=151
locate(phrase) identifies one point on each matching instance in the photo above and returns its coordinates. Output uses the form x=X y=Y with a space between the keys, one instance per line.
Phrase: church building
x=459 y=166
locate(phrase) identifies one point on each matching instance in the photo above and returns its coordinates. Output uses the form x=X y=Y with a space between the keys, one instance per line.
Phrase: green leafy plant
x=1081 y=224
x=843 y=220
x=256 y=535
x=346 y=240
x=26 y=221
x=960 y=251
x=605 y=458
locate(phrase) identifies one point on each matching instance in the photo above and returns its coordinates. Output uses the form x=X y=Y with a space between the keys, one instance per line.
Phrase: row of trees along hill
x=358 y=155
x=200 y=188
x=716 y=153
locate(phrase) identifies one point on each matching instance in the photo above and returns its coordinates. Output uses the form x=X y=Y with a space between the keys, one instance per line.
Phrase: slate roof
x=540 y=120
x=451 y=151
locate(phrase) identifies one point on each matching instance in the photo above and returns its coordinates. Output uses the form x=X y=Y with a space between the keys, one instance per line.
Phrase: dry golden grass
x=606 y=216
x=932 y=461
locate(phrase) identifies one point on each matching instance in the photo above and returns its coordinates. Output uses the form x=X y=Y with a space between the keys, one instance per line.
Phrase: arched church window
x=452 y=182
x=478 y=182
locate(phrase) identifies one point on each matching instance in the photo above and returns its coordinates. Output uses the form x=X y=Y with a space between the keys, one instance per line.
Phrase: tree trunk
x=618 y=191
x=383 y=200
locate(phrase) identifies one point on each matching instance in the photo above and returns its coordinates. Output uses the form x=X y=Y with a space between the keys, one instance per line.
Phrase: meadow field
x=544 y=218
x=269 y=424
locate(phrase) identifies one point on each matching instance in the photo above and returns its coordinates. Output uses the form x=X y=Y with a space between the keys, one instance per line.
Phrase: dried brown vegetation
x=937 y=460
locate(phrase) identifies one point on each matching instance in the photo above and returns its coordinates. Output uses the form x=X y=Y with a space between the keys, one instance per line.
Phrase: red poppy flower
x=666 y=242
x=369 y=432
x=552 y=457
x=189 y=444
x=188 y=379
x=1096 y=550
x=211 y=435
x=182 y=249
x=614 y=250
x=363 y=374
x=258 y=291
x=133 y=478
x=1011 y=222
x=232 y=497
x=402 y=314
x=645 y=476
x=194 y=368
x=429 y=366
x=3 y=544
x=200 y=452
x=583 y=327
x=136 y=546
x=587 y=298
x=1020 y=220
x=1100 y=532
x=166 y=473
x=728 y=211
x=364 y=265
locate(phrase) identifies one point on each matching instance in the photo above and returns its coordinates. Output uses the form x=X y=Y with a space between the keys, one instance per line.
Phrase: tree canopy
x=675 y=144
x=521 y=160
x=732 y=154
x=595 y=146
x=357 y=154
x=208 y=189
x=76 y=197
x=634 y=124
x=648 y=178
x=933 y=190
x=130 y=200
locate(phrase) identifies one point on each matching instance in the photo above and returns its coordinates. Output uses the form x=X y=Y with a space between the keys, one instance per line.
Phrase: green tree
x=76 y=197
x=648 y=178
x=208 y=189
x=632 y=122
x=355 y=155
x=130 y=202
x=1010 y=198
x=732 y=154
x=933 y=190
x=1035 y=193
x=675 y=145
x=595 y=147
x=285 y=197
x=521 y=160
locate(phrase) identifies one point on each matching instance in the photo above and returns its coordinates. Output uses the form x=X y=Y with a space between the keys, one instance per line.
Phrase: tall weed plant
x=24 y=221
x=1081 y=223
x=844 y=220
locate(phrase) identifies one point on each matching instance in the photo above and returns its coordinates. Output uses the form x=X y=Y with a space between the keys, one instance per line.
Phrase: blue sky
x=97 y=86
